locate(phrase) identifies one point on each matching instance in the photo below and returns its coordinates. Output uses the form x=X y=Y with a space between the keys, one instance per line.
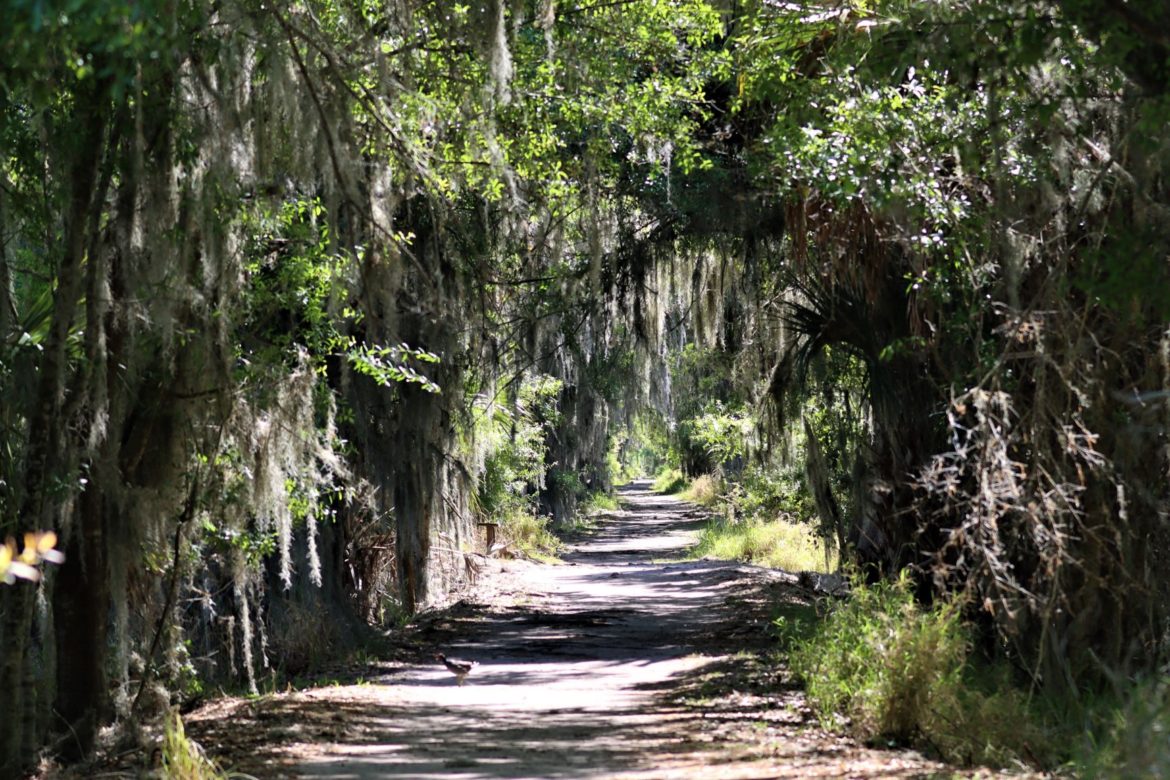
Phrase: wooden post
x=491 y=535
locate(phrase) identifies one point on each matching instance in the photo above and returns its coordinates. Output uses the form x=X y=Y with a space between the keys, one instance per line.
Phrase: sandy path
x=615 y=664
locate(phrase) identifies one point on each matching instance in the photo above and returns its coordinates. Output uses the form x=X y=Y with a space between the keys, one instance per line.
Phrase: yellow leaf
x=46 y=541
x=29 y=555
x=47 y=553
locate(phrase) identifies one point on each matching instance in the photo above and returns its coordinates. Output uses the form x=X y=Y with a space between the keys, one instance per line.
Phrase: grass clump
x=530 y=535
x=600 y=501
x=744 y=531
x=704 y=490
x=183 y=759
x=896 y=672
x=669 y=481
x=886 y=665
x=1135 y=738
x=778 y=544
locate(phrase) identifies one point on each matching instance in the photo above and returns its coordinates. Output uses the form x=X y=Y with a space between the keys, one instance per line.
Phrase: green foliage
x=895 y=671
x=703 y=490
x=599 y=501
x=724 y=434
x=619 y=472
x=711 y=426
x=566 y=481
x=514 y=442
x=295 y=281
x=253 y=543
x=775 y=491
x=390 y=365
x=669 y=481
x=761 y=489
x=338 y=179
x=886 y=106
x=291 y=274
x=885 y=664
x=646 y=450
x=87 y=42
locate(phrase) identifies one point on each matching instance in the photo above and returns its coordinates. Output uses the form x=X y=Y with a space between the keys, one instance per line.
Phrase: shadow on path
x=614 y=664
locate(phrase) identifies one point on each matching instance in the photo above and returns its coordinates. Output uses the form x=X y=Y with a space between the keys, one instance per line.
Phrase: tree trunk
x=47 y=430
x=16 y=610
x=81 y=605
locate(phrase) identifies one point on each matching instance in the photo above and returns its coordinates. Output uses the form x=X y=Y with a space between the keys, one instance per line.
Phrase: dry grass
x=704 y=490
x=530 y=536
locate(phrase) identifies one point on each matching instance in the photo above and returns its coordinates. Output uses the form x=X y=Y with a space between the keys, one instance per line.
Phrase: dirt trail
x=613 y=665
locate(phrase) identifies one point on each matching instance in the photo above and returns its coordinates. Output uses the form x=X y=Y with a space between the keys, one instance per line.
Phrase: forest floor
x=621 y=662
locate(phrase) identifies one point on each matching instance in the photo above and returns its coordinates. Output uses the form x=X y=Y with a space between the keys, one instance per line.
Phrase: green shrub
x=619 y=473
x=1000 y=724
x=722 y=432
x=775 y=492
x=900 y=673
x=585 y=519
x=886 y=665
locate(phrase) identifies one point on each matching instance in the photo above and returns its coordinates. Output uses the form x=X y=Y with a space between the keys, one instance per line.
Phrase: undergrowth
x=703 y=490
x=600 y=501
x=778 y=544
x=669 y=481
x=747 y=529
x=1134 y=736
x=530 y=535
x=591 y=507
x=892 y=671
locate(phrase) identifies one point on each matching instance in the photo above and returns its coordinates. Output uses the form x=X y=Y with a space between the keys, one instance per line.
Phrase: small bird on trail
x=457 y=667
